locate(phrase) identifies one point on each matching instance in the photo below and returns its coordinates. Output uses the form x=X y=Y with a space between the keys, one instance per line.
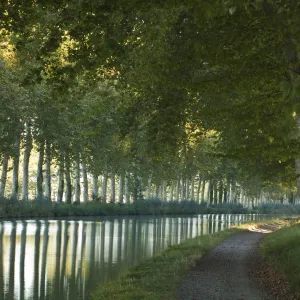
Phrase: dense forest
x=119 y=101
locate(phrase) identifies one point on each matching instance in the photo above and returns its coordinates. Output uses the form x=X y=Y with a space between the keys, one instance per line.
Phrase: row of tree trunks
x=184 y=188
x=215 y=193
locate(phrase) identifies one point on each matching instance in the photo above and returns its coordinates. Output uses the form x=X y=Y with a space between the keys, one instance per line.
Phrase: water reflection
x=67 y=259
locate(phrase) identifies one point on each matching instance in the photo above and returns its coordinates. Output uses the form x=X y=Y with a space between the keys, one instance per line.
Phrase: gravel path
x=225 y=273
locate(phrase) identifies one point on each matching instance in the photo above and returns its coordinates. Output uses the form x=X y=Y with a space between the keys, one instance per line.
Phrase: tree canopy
x=213 y=86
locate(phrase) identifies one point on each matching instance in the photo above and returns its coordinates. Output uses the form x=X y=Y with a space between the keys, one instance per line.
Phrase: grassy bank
x=281 y=249
x=159 y=277
x=10 y=209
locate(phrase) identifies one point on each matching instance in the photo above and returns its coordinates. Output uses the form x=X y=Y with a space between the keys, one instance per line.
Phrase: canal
x=66 y=259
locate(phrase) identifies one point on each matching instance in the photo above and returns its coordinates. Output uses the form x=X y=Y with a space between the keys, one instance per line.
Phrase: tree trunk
x=121 y=188
x=211 y=192
x=164 y=188
x=85 y=184
x=193 y=188
x=148 y=189
x=187 y=189
x=171 y=191
x=198 y=189
x=3 y=175
x=156 y=191
x=246 y=199
x=221 y=193
x=233 y=192
x=104 y=187
x=135 y=187
x=48 y=172
x=39 y=173
x=68 y=195
x=225 y=194
x=15 y=178
x=215 y=192
x=208 y=192
x=238 y=196
x=77 y=180
x=27 y=152
x=95 y=193
x=140 y=188
x=227 y=190
x=61 y=182
x=182 y=192
x=203 y=191
x=241 y=197
x=112 y=188
x=177 y=189
x=127 y=193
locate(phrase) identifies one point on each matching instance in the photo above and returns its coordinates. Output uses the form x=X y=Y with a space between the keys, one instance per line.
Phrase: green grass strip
x=160 y=276
x=282 y=250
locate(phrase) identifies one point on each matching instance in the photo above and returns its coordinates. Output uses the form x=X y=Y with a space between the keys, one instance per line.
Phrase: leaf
x=296 y=85
x=286 y=88
x=232 y=10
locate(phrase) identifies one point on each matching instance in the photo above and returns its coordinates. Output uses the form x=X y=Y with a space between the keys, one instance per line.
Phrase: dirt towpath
x=225 y=273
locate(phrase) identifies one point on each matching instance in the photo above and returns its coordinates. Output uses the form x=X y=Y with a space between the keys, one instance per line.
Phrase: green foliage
x=279 y=209
x=157 y=90
x=12 y=107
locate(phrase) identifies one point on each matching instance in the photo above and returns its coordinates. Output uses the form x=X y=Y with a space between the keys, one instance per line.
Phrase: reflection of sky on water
x=67 y=259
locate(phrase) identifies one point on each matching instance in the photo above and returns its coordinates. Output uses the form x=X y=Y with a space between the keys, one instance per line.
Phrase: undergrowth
x=44 y=208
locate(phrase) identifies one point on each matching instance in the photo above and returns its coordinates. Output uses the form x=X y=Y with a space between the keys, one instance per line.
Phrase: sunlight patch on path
x=266 y=228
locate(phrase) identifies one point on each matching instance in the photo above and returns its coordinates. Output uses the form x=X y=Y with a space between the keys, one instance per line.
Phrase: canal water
x=67 y=259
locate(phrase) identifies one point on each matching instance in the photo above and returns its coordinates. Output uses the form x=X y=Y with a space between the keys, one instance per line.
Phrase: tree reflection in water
x=67 y=259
